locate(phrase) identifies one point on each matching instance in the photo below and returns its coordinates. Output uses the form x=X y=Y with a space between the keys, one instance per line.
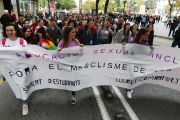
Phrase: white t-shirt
x=10 y=43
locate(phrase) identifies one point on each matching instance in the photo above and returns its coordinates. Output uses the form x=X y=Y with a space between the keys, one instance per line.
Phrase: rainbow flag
x=50 y=45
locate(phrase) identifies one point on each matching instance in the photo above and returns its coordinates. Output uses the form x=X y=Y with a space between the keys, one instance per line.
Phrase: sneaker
x=25 y=110
x=129 y=94
x=73 y=100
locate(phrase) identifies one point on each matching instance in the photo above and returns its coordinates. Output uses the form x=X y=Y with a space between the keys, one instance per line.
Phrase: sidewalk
x=161 y=31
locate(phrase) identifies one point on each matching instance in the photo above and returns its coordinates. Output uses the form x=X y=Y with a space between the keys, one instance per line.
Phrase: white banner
x=32 y=68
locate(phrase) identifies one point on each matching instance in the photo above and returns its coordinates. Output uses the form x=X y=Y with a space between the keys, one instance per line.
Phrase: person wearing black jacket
x=54 y=32
x=173 y=26
x=5 y=18
x=151 y=34
x=138 y=19
x=176 y=40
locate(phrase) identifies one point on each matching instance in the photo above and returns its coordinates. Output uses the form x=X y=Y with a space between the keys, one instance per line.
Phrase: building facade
x=160 y=9
x=150 y=5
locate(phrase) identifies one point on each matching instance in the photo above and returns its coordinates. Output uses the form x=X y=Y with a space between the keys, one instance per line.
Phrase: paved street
x=149 y=102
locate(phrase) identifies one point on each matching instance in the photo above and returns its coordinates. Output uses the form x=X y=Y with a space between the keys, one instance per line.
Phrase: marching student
x=151 y=34
x=88 y=33
x=69 y=40
x=29 y=36
x=103 y=33
x=140 y=38
x=44 y=40
x=42 y=23
x=123 y=35
x=12 y=37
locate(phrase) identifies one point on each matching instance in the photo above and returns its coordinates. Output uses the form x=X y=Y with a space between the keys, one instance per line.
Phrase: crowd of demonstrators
x=59 y=31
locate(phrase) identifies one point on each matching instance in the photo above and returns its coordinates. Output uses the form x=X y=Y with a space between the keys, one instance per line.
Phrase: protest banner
x=32 y=68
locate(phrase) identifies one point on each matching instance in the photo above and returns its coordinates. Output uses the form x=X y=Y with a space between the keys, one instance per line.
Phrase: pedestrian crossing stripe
x=1 y=81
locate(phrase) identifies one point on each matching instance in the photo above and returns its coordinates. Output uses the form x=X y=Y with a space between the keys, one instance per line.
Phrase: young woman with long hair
x=151 y=34
x=120 y=26
x=140 y=38
x=123 y=35
x=44 y=40
x=42 y=23
x=103 y=33
x=69 y=40
x=133 y=31
x=29 y=36
x=12 y=37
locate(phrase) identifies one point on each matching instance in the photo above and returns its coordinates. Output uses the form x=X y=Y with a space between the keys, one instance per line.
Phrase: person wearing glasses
x=140 y=38
x=29 y=36
x=133 y=30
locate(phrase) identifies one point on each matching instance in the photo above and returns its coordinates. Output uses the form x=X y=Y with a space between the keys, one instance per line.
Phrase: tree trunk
x=106 y=5
x=97 y=2
x=129 y=7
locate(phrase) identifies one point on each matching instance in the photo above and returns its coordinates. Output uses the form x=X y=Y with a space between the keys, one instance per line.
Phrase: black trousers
x=171 y=29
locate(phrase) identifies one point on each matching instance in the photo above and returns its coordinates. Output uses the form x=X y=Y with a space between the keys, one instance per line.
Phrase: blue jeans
x=24 y=101
x=175 y=43
x=165 y=22
x=103 y=41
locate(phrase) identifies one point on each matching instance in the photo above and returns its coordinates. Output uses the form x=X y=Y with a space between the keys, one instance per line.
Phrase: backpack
x=4 y=41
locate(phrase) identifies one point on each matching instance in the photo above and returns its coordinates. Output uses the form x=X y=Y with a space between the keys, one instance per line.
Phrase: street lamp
x=124 y=1
x=171 y=3
x=103 y=6
x=135 y=6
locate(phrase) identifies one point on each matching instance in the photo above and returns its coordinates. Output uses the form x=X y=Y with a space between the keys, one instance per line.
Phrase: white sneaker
x=129 y=94
x=25 y=110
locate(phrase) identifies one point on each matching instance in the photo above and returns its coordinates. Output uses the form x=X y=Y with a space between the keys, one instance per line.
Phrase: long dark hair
x=44 y=35
x=16 y=28
x=152 y=32
x=65 y=36
x=138 y=35
x=119 y=26
x=125 y=29
x=31 y=39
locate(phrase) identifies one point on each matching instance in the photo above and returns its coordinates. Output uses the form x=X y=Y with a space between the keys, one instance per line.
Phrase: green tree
x=117 y=3
x=139 y=3
x=66 y=4
x=120 y=9
x=60 y=4
x=92 y=5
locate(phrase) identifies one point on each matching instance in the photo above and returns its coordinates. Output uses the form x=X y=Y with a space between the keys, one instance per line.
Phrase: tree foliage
x=120 y=9
x=91 y=4
x=60 y=4
x=139 y=3
x=67 y=4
